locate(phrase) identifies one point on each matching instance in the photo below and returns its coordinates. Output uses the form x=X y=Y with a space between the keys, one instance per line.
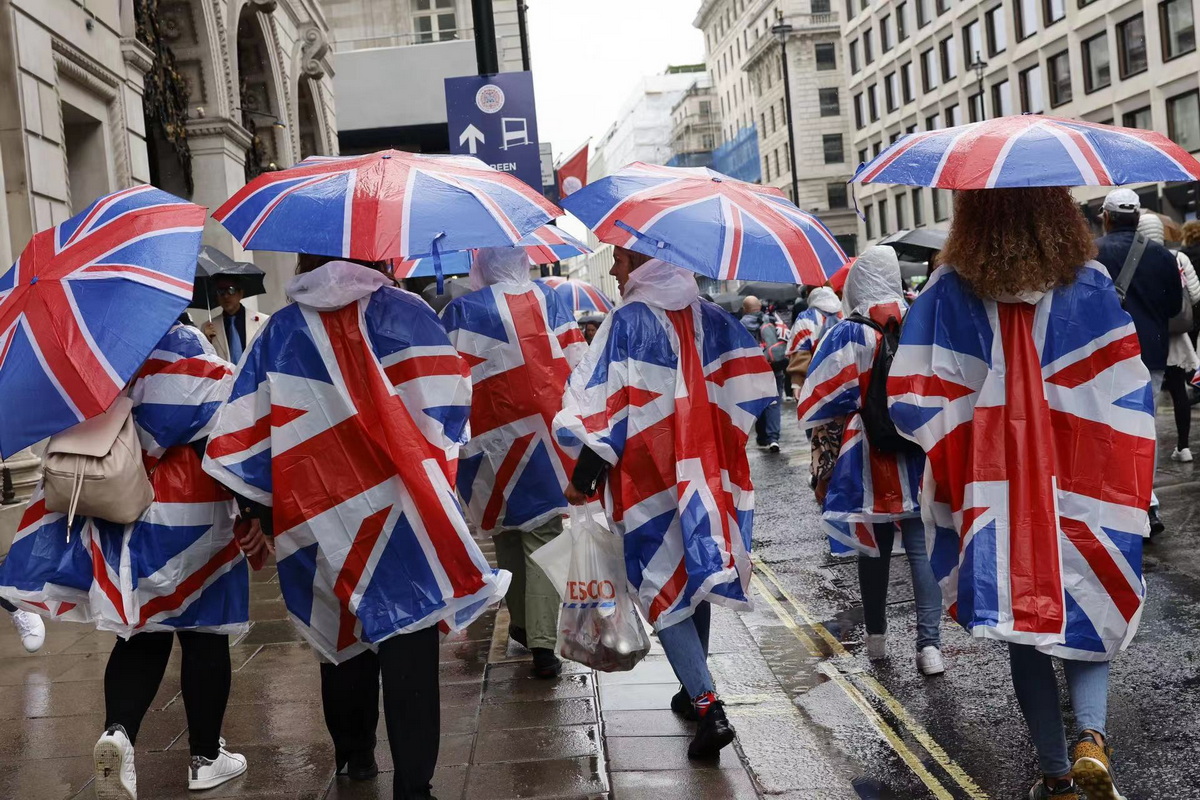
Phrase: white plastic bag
x=599 y=625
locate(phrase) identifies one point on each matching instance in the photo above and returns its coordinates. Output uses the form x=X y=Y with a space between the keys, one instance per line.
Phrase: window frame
x=923 y=16
x=917 y=202
x=1164 y=34
x=832 y=49
x=901 y=23
x=853 y=55
x=868 y=47
x=906 y=82
x=976 y=107
x=1046 y=11
x=973 y=25
x=882 y=205
x=1086 y=56
x=873 y=102
x=1020 y=21
x=891 y=85
x=868 y=214
x=845 y=195
x=946 y=55
x=898 y=199
x=1051 y=83
x=1122 y=52
x=940 y=213
x=1171 y=127
x=999 y=90
x=859 y=112
x=837 y=101
x=930 y=68
x=1125 y=121
x=1023 y=87
x=990 y=30
x=826 y=138
x=885 y=33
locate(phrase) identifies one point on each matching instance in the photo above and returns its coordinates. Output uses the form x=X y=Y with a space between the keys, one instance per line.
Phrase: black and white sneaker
x=209 y=773
x=113 y=757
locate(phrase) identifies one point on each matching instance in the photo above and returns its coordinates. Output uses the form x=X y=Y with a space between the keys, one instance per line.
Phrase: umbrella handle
x=658 y=243
x=437 y=265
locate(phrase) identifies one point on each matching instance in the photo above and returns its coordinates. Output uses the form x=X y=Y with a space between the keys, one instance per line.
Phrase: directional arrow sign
x=497 y=122
x=472 y=137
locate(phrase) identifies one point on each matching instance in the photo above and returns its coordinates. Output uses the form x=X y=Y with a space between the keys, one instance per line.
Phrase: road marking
x=785 y=617
x=874 y=687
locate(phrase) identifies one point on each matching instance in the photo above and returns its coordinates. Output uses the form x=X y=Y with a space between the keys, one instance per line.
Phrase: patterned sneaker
x=1041 y=791
x=204 y=773
x=113 y=757
x=1093 y=772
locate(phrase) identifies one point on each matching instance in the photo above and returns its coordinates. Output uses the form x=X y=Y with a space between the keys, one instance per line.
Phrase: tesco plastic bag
x=599 y=625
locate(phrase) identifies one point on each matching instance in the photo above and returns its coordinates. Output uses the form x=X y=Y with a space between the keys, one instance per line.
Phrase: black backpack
x=877 y=422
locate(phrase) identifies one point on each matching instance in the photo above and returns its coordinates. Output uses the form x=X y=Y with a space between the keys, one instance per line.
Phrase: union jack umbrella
x=545 y=245
x=709 y=223
x=86 y=303
x=383 y=206
x=579 y=295
x=1030 y=150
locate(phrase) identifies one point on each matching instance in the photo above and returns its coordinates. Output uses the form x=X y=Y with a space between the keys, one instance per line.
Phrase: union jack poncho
x=667 y=397
x=809 y=327
x=1038 y=421
x=178 y=567
x=345 y=418
x=521 y=342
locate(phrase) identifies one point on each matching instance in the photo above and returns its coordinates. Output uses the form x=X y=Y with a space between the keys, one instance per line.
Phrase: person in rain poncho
x=177 y=571
x=1019 y=374
x=823 y=312
x=521 y=341
x=341 y=437
x=663 y=403
x=865 y=492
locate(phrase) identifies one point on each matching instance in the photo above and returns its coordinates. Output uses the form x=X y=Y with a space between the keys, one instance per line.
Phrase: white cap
x=1124 y=201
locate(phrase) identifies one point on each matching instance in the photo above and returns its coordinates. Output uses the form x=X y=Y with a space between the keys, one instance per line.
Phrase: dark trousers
x=7 y=606
x=350 y=693
x=1175 y=382
x=135 y=670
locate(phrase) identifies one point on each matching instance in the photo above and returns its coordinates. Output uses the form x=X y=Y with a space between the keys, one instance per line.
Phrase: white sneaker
x=929 y=661
x=113 y=757
x=31 y=630
x=1183 y=456
x=773 y=447
x=877 y=646
x=204 y=773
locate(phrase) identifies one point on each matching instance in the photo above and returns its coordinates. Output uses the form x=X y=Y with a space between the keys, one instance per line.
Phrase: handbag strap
x=1132 y=259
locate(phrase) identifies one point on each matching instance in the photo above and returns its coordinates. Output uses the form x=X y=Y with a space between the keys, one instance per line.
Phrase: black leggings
x=7 y=606
x=135 y=670
x=350 y=694
x=1175 y=381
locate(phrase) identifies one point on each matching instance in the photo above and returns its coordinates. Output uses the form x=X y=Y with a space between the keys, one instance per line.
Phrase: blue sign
x=493 y=118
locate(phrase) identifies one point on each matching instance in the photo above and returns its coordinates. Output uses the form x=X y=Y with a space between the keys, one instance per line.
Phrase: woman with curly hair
x=1019 y=374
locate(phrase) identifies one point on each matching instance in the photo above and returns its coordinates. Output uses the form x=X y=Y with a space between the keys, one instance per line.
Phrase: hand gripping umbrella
x=545 y=245
x=84 y=306
x=709 y=223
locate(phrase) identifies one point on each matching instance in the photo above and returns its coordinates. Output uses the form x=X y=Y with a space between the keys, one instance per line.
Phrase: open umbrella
x=212 y=262
x=545 y=245
x=714 y=225
x=86 y=303
x=580 y=295
x=1030 y=150
x=384 y=206
x=918 y=244
x=770 y=291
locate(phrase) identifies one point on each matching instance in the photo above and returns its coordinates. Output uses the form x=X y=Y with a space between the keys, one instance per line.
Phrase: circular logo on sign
x=490 y=98
x=572 y=185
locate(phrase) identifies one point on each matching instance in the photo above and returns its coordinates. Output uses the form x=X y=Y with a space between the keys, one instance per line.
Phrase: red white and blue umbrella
x=1030 y=150
x=384 y=206
x=581 y=295
x=84 y=306
x=709 y=223
x=545 y=245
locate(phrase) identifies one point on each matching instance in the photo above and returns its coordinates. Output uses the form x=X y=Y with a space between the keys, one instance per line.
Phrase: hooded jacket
x=1155 y=293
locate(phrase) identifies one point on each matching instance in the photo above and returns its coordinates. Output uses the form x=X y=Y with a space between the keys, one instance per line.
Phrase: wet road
x=886 y=731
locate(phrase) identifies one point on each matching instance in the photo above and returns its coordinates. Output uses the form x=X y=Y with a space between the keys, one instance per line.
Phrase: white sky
x=588 y=56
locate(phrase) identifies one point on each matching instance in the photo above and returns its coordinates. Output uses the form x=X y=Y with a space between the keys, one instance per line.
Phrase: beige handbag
x=95 y=469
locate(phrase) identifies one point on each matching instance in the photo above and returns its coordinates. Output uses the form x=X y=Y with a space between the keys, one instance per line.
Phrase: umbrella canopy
x=730 y=301
x=212 y=262
x=837 y=281
x=916 y=245
x=384 y=206
x=84 y=306
x=580 y=295
x=770 y=291
x=1030 y=150
x=545 y=245
x=709 y=223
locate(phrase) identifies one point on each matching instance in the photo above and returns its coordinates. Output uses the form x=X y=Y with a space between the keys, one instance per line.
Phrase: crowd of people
x=336 y=434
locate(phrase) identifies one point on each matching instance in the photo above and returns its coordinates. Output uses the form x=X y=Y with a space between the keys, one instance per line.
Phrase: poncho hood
x=874 y=280
x=335 y=285
x=662 y=285
x=493 y=265
x=825 y=300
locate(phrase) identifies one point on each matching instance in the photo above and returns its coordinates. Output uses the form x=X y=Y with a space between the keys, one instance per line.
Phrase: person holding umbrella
x=232 y=331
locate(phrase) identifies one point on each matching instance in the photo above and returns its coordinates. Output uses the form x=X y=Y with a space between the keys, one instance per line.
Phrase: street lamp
x=782 y=31
x=979 y=66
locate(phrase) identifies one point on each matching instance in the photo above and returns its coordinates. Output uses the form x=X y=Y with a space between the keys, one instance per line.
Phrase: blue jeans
x=1037 y=692
x=686 y=646
x=873 y=575
x=766 y=427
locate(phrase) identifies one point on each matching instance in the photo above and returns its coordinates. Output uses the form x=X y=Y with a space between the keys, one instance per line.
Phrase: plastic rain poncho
x=176 y=568
x=346 y=417
x=666 y=396
x=521 y=342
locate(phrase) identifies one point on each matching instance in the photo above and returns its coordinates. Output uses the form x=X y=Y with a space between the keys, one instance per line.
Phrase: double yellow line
x=797 y=611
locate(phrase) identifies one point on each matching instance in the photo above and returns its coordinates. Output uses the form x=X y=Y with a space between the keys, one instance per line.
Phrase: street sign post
x=494 y=118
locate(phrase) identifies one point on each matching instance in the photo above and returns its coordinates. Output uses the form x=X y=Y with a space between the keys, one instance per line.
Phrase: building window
x=1131 y=46
x=434 y=21
x=885 y=33
x=1178 y=26
x=837 y=195
x=943 y=6
x=864 y=4
x=858 y=110
x=918 y=208
x=834 y=154
x=906 y=82
x=972 y=43
x=1097 y=73
x=821 y=6
x=1031 y=90
x=1001 y=99
x=900 y=221
x=867 y=220
x=997 y=32
x=1025 y=14
x=949 y=67
x=975 y=110
x=911 y=128
x=773 y=124
x=884 y=230
x=933 y=122
x=1054 y=11
x=875 y=149
x=922 y=12
x=826 y=56
x=767 y=168
x=873 y=102
x=901 y=22
x=863 y=155
x=1183 y=120
x=830 y=105
x=889 y=91
x=953 y=116
x=850 y=9
x=854 y=57
x=868 y=47
x=1058 y=69
x=929 y=71
x=1139 y=118
x=940 y=211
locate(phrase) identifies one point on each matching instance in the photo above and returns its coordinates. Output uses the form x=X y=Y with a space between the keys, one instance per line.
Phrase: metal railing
x=402 y=39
